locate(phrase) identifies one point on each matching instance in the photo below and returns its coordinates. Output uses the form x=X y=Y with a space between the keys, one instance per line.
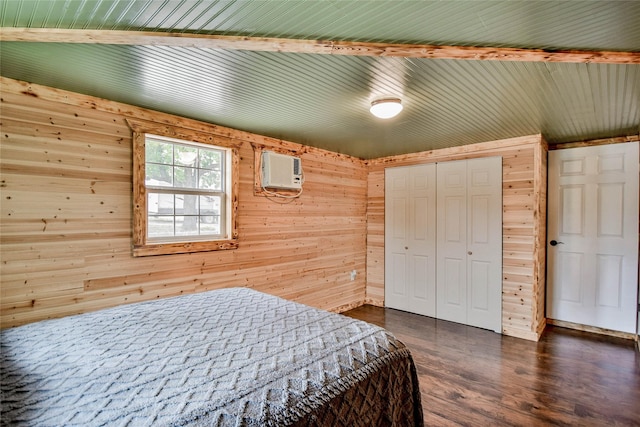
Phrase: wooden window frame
x=141 y=244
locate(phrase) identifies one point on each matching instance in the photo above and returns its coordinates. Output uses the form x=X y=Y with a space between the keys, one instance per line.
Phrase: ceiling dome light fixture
x=386 y=108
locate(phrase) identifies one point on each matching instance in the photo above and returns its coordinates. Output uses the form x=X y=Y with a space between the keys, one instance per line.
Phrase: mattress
x=230 y=357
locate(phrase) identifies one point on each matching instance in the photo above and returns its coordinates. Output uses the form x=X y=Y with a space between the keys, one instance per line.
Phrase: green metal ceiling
x=322 y=100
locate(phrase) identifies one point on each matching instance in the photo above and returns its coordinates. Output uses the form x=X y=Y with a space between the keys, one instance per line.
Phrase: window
x=184 y=191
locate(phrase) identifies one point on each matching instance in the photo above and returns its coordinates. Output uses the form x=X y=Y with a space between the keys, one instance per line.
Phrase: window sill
x=184 y=247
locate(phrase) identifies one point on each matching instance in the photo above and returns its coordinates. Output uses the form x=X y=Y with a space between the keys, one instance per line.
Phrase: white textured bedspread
x=232 y=357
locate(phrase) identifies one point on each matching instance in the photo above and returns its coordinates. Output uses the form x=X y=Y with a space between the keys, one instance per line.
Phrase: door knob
x=469 y=253
x=555 y=243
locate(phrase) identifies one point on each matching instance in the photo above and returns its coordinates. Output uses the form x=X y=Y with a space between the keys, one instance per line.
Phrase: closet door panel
x=451 y=273
x=469 y=272
x=479 y=286
x=397 y=214
x=452 y=290
x=420 y=271
x=421 y=240
x=396 y=293
x=484 y=243
x=410 y=239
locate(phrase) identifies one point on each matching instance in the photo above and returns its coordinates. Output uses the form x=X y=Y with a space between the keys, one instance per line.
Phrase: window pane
x=152 y=203
x=158 y=152
x=166 y=204
x=195 y=215
x=210 y=180
x=186 y=156
x=209 y=205
x=189 y=204
x=210 y=159
x=187 y=226
x=160 y=175
x=209 y=225
x=160 y=226
x=185 y=177
x=160 y=204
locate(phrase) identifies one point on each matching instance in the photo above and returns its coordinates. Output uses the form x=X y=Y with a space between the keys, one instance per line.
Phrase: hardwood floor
x=470 y=376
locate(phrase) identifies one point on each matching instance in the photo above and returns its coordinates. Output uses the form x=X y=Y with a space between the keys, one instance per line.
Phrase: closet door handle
x=469 y=253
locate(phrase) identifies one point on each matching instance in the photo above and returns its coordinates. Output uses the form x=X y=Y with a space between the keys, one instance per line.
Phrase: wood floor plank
x=470 y=376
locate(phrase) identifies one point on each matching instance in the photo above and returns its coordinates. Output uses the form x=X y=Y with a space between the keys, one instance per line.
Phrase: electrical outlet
x=353 y=275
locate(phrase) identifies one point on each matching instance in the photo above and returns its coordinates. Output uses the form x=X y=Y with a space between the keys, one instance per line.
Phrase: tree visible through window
x=184 y=190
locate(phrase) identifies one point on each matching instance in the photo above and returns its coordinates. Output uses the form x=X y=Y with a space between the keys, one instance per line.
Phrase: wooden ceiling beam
x=327 y=47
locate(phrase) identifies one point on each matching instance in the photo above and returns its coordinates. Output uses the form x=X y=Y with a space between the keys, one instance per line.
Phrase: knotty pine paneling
x=66 y=216
x=524 y=233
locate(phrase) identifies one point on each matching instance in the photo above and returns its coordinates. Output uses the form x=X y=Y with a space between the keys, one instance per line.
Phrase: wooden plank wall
x=524 y=232
x=66 y=216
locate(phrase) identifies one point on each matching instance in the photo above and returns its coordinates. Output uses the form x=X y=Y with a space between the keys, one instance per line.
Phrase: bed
x=231 y=357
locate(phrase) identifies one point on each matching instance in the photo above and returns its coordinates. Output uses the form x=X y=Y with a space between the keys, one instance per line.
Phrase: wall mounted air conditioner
x=281 y=171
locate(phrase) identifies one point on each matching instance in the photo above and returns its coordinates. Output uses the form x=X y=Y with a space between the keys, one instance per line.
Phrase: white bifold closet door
x=410 y=239
x=443 y=241
x=469 y=242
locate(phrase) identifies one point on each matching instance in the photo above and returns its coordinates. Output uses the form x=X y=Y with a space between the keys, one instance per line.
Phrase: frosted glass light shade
x=386 y=108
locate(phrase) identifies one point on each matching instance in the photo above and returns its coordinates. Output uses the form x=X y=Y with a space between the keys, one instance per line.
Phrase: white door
x=469 y=223
x=592 y=276
x=410 y=240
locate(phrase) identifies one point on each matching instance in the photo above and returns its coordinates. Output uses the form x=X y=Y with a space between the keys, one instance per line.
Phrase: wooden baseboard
x=347 y=307
x=593 y=329
x=374 y=302
x=518 y=333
